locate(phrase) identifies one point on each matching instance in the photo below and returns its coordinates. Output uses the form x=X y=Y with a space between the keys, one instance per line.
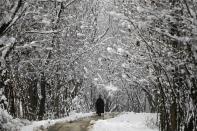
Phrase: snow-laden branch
x=68 y=4
x=96 y=41
x=101 y=36
x=44 y=31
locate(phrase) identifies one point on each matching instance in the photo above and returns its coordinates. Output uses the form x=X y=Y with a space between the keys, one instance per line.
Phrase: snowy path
x=110 y=122
x=44 y=124
x=81 y=125
x=78 y=125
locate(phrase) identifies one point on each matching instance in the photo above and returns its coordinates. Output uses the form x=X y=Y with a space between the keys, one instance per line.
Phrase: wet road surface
x=79 y=125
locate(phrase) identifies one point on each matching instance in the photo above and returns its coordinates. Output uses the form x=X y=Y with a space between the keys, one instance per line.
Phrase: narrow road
x=79 y=125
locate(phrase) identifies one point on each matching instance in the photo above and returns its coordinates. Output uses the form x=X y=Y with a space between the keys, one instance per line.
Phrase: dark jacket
x=99 y=106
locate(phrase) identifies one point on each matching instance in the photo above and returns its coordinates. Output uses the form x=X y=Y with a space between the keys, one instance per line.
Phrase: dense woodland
x=57 y=56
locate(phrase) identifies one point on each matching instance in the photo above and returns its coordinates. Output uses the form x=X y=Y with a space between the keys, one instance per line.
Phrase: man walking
x=99 y=106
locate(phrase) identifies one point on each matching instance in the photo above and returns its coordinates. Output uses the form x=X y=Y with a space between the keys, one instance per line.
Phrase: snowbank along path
x=128 y=122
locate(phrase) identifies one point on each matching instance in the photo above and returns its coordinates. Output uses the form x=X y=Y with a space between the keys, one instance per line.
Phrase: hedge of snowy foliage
x=7 y=123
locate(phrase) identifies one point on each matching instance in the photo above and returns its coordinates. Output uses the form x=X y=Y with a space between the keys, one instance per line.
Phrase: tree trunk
x=43 y=98
x=173 y=113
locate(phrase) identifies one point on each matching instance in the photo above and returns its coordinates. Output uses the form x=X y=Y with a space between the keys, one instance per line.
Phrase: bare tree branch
x=6 y=24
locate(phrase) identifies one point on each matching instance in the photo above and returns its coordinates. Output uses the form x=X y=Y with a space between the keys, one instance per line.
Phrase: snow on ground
x=128 y=122
x=46 y=123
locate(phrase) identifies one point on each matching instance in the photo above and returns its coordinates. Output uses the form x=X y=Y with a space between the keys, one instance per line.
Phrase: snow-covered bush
x=151 y=122
x=7 y=123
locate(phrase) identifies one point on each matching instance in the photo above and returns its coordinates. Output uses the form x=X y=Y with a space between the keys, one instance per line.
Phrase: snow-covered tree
x=167 y=28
